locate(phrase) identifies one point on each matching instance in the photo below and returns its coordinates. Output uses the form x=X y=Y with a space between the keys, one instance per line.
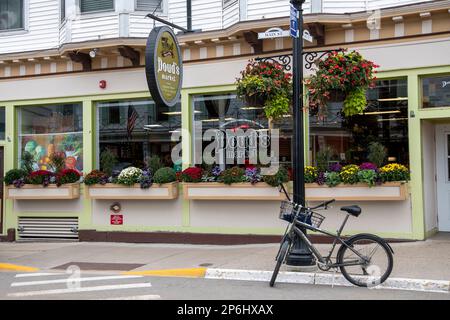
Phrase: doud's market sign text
x=163 y=66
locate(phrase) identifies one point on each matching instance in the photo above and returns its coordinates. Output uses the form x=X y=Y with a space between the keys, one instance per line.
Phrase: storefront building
x=86 y=94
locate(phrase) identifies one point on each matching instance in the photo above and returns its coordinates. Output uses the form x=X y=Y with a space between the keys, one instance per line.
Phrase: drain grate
x=94 y=266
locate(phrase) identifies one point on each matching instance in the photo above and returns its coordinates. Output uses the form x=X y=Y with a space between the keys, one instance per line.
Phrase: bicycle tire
x=365 y=238
x=280 y=258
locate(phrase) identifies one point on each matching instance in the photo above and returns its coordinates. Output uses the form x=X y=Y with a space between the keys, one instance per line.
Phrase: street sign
x=307 y=36
x=273 y=33
x=294 y=22
x=116 y=219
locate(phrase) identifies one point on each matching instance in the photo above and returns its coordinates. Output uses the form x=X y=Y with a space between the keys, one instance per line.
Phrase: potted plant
x=132 y=184
x=343 y=76
x=236 y=183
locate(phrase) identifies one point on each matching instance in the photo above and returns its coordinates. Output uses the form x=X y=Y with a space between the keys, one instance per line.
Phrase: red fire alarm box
x=116 y=219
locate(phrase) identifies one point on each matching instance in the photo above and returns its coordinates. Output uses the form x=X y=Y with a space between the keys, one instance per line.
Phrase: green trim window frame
x=435 y=91
x=335 y=138
x=93 y=6
x=131 y=132
x=12 y=15
x=2 y=123
x=44 y=130
x=150 y=6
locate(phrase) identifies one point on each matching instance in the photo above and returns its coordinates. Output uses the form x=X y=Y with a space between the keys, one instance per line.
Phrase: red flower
x=41 y=173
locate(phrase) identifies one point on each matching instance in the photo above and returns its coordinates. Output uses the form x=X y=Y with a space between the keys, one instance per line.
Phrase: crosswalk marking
x=72 y=280
x=26 y=275
x=83 y=289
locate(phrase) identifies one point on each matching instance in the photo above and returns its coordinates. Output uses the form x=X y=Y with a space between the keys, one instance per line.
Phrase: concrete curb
x=318 y=278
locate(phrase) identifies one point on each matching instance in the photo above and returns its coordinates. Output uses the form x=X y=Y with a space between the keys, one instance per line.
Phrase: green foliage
x=164 y=175
x=57 y=162
x=282 y=176
x=368 y=176
x=355 y=102
x=251 y=85
x=323 y=157
x=95 y=177
x=107 y=161
x=276 y=107
x=377 y=153
x=394 y=172
x=332 y=179
x=27 y=161
x=232 y=175
x=154 y=163
x=311 y=174
x=67 y=176
x=13 y=175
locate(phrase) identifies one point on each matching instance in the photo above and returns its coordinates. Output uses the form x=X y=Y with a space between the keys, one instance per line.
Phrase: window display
x=48 y=130
x=436 y=91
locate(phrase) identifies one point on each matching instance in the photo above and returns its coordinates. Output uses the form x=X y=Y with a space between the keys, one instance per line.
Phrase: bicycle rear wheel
x=373 y=268
x=280 y=258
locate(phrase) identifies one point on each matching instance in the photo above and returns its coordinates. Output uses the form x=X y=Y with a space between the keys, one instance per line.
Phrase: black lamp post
x=300 y=255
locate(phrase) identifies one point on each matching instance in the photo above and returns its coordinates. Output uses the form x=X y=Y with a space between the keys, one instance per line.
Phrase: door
x=1 y=190
x=443 y=176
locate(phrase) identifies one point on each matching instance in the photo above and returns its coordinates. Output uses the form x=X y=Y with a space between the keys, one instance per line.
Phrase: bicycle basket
x=287 y=211
x=313 y=219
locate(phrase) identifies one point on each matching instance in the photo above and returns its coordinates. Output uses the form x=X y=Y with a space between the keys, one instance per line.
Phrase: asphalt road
x=111 y=286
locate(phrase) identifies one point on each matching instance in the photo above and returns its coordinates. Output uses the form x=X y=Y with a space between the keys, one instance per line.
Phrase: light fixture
x=392 y=119
x=152 y=126
x=93 y=53
x=252 y=108
x=380 y=112
x=394 y=99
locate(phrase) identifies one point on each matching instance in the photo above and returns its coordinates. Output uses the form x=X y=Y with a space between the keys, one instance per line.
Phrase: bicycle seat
x=353 y=210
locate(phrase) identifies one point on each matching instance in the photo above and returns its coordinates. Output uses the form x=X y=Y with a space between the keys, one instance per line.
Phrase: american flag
x=131 y=122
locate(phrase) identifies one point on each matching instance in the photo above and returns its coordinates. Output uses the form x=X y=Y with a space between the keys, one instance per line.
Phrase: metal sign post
x=300 y=255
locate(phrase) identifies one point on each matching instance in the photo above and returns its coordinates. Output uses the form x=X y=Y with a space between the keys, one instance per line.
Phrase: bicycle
x=355 y=257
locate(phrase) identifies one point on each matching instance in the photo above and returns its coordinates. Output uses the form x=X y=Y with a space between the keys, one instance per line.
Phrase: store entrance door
x=1 y=190
x=443 y=176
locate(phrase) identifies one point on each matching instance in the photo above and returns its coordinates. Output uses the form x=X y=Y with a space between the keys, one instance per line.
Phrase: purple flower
x=321 y=178
x=335 y=167
x=252 y=175
x=368 y=166
x=216 y=171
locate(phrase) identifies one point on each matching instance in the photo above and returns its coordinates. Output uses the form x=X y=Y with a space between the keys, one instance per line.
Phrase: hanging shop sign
x=163 y=66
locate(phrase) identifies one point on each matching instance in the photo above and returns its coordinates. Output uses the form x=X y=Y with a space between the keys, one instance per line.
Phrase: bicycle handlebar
x=324 y=204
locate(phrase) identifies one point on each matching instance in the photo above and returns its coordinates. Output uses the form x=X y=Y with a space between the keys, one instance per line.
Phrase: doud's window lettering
x=11 y=15
x=46 y=130
x=136 y=133
x=379 y=134
x=436 y=91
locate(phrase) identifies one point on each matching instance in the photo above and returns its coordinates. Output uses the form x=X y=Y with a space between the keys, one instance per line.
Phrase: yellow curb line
x=191 y=273
x=14 y=267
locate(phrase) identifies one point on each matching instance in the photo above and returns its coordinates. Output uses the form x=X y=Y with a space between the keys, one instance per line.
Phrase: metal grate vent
x=47 y=228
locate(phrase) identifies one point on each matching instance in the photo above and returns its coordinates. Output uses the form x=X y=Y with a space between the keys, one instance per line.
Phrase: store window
x=338 y=139
x=87 y=6
x=2 y=123
x=436 y=91
x=50 y=129
x=150 y=5
x=11 y=15
x=133 y=132
x=226 y=111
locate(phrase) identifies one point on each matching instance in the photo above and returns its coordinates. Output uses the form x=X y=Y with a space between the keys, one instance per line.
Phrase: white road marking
x=143 y=297
x=72 y=280
x=25 y=275
x=84 y=289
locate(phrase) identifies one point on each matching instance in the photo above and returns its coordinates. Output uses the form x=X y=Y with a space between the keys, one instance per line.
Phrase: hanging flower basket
x=256 y=100
x=341 y=76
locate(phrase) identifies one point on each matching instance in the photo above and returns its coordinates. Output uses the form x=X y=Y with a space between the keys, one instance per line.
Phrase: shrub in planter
x=27 y=162
x=96 y=177
x=377 y=153
x=42 y=177
x=129 y=176
x=15 y=177
x=368 y=176
x=349 y=174
x=232 y=175
x=192 y=174
x=67 y=176
x=394 y=172
x=165 y=175
x=311 y=174
x=332 y=179
x=282 y=176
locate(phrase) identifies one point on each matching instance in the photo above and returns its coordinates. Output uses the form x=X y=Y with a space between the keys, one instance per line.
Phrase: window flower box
x=235 y=191
x=111 y=191
x=357 y=192
x=39 y=192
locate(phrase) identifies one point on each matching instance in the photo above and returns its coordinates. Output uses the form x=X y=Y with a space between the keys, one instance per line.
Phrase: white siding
x=207 y=14
x=230 y=15
x=140 y=26
x=43 y=29
x=177 y=12
x=95 y=27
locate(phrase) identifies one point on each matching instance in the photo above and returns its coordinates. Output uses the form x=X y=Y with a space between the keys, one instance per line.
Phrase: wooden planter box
x=236 y=191
x=357 y=192
x=38 y=192
x=119 y=192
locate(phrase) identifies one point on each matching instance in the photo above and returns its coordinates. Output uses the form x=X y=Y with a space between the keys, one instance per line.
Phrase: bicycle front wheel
x=368 y=263
x=280 y=258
